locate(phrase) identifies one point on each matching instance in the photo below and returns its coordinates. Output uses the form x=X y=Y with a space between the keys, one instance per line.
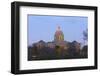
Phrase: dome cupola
x=59 y=36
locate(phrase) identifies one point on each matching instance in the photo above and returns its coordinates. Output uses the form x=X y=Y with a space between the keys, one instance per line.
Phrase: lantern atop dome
x=58 y=28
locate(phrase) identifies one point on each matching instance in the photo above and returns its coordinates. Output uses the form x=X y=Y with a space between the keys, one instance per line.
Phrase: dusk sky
x=44 y=27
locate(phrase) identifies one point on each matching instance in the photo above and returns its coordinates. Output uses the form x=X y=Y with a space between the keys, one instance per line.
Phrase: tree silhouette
x=85 y=35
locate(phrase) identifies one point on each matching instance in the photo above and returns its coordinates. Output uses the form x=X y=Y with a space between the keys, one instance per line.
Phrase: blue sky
x=43 y=27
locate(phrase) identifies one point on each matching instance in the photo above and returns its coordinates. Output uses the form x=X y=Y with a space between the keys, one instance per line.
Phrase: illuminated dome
x=59 y=36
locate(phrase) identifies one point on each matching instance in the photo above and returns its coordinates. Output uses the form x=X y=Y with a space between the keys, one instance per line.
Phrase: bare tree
x=85 y=35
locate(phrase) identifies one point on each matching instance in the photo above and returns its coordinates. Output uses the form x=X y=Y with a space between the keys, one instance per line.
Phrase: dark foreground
x=46 y=53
